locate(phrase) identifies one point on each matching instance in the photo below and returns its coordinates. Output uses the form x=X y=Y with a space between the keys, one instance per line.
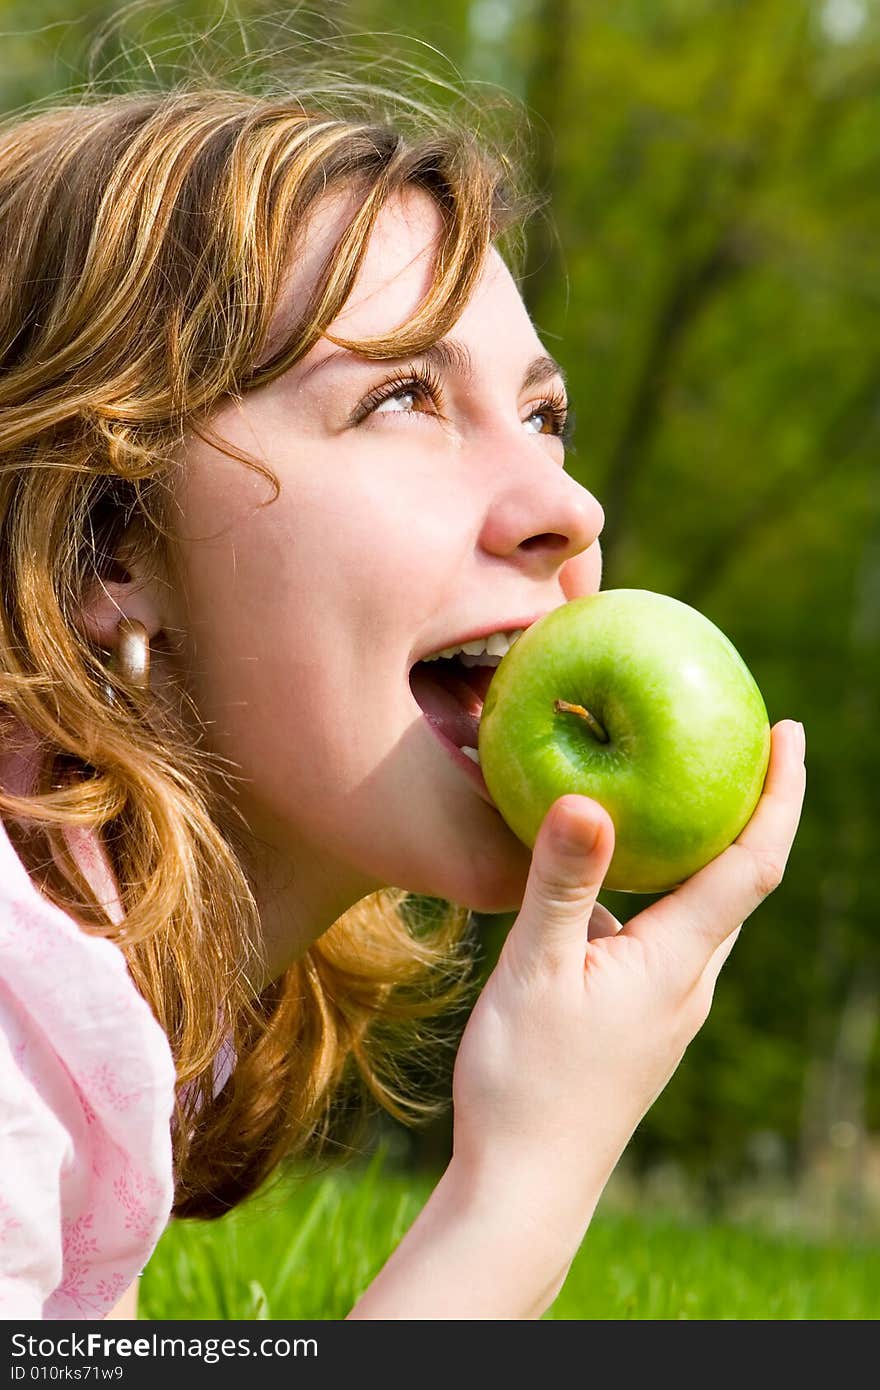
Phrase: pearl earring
x=131 y=658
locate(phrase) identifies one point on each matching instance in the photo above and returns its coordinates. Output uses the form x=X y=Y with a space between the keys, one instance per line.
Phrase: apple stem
x=563 y=707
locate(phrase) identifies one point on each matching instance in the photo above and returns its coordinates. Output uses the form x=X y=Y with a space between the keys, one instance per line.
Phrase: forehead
x=395 y=275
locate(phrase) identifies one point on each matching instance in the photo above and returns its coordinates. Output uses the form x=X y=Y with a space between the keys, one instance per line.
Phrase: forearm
x=476 y=1251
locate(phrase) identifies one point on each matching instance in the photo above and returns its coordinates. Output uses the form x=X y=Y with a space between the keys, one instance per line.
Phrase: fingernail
x=566 y=840
x=569 y=837
x=801 y=741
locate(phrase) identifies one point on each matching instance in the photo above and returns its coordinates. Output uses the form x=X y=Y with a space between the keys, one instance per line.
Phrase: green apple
x=637 y=700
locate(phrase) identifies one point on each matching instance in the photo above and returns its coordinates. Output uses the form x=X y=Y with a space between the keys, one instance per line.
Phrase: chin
x=491 y=906
x=490 y=888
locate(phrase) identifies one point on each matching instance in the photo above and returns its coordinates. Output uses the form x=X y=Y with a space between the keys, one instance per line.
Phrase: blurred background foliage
x=707 y=275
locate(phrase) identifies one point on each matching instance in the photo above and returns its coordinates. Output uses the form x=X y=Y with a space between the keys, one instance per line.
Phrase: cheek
x=582 y=574
x=351 y=572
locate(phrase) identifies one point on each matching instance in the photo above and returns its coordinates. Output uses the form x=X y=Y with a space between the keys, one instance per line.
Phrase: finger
x=570 y=859
x=720 y=954
x=703 y=911
x=602 y=923
x=704 y=988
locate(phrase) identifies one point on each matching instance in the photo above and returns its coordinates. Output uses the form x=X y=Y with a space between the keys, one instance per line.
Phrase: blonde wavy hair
x=143 y=241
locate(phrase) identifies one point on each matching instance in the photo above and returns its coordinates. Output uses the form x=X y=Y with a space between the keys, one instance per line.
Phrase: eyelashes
x=422 y=381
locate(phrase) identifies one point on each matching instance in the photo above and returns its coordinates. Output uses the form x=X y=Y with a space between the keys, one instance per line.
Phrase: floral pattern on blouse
x=86 y=1097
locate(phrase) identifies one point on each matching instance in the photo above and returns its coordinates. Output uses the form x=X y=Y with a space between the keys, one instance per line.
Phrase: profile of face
x=405 y=525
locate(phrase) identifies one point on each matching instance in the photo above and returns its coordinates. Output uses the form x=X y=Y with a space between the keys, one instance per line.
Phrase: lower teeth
x=473 y=754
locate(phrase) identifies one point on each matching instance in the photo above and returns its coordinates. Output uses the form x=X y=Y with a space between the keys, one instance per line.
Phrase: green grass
x=307 y=1246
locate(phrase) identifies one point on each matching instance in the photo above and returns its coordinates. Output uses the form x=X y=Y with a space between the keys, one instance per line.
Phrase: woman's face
x=399 y=530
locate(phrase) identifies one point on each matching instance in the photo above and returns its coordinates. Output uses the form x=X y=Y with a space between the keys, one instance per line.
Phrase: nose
x=540 y=517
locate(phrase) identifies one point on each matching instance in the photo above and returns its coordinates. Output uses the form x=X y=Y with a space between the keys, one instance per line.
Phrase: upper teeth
x=494 y=647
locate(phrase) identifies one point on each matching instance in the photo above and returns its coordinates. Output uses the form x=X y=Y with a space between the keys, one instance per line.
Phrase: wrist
x=530 y=1204
x=481 y=1248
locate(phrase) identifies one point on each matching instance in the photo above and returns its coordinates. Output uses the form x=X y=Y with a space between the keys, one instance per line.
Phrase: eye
x=419 y=383
x=556 y=413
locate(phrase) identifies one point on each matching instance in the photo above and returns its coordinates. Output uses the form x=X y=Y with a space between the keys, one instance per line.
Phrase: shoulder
x=36 y=1146
x=74 y=986
x=86 y=1089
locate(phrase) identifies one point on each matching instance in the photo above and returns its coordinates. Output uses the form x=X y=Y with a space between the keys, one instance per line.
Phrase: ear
x=582 y=574
x=130 y=594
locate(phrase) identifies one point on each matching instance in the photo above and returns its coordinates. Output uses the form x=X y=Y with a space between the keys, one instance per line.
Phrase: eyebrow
x=452 y=356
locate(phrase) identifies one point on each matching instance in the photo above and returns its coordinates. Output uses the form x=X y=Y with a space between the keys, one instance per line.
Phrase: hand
x=583 y=1022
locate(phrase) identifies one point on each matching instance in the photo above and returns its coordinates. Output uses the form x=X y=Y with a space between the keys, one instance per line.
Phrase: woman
x=224 y=744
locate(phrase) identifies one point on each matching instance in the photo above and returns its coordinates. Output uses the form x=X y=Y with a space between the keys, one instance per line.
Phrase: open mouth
x=451 y=694
x=451 y=687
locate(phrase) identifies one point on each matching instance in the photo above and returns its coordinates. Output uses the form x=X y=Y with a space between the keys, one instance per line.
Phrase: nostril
x=548 y=540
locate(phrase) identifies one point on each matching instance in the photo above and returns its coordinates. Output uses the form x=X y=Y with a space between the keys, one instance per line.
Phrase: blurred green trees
x=715 y=192
x=706 y=276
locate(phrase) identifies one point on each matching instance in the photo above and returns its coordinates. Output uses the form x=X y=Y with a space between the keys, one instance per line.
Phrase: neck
x=299 y=895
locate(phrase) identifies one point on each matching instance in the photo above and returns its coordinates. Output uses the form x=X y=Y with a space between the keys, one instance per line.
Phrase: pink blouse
x=86 y=1093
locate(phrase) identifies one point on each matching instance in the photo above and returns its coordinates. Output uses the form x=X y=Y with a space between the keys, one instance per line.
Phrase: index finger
x=704 y=910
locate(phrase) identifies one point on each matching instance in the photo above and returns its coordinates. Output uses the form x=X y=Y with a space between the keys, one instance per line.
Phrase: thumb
x=569 y=862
